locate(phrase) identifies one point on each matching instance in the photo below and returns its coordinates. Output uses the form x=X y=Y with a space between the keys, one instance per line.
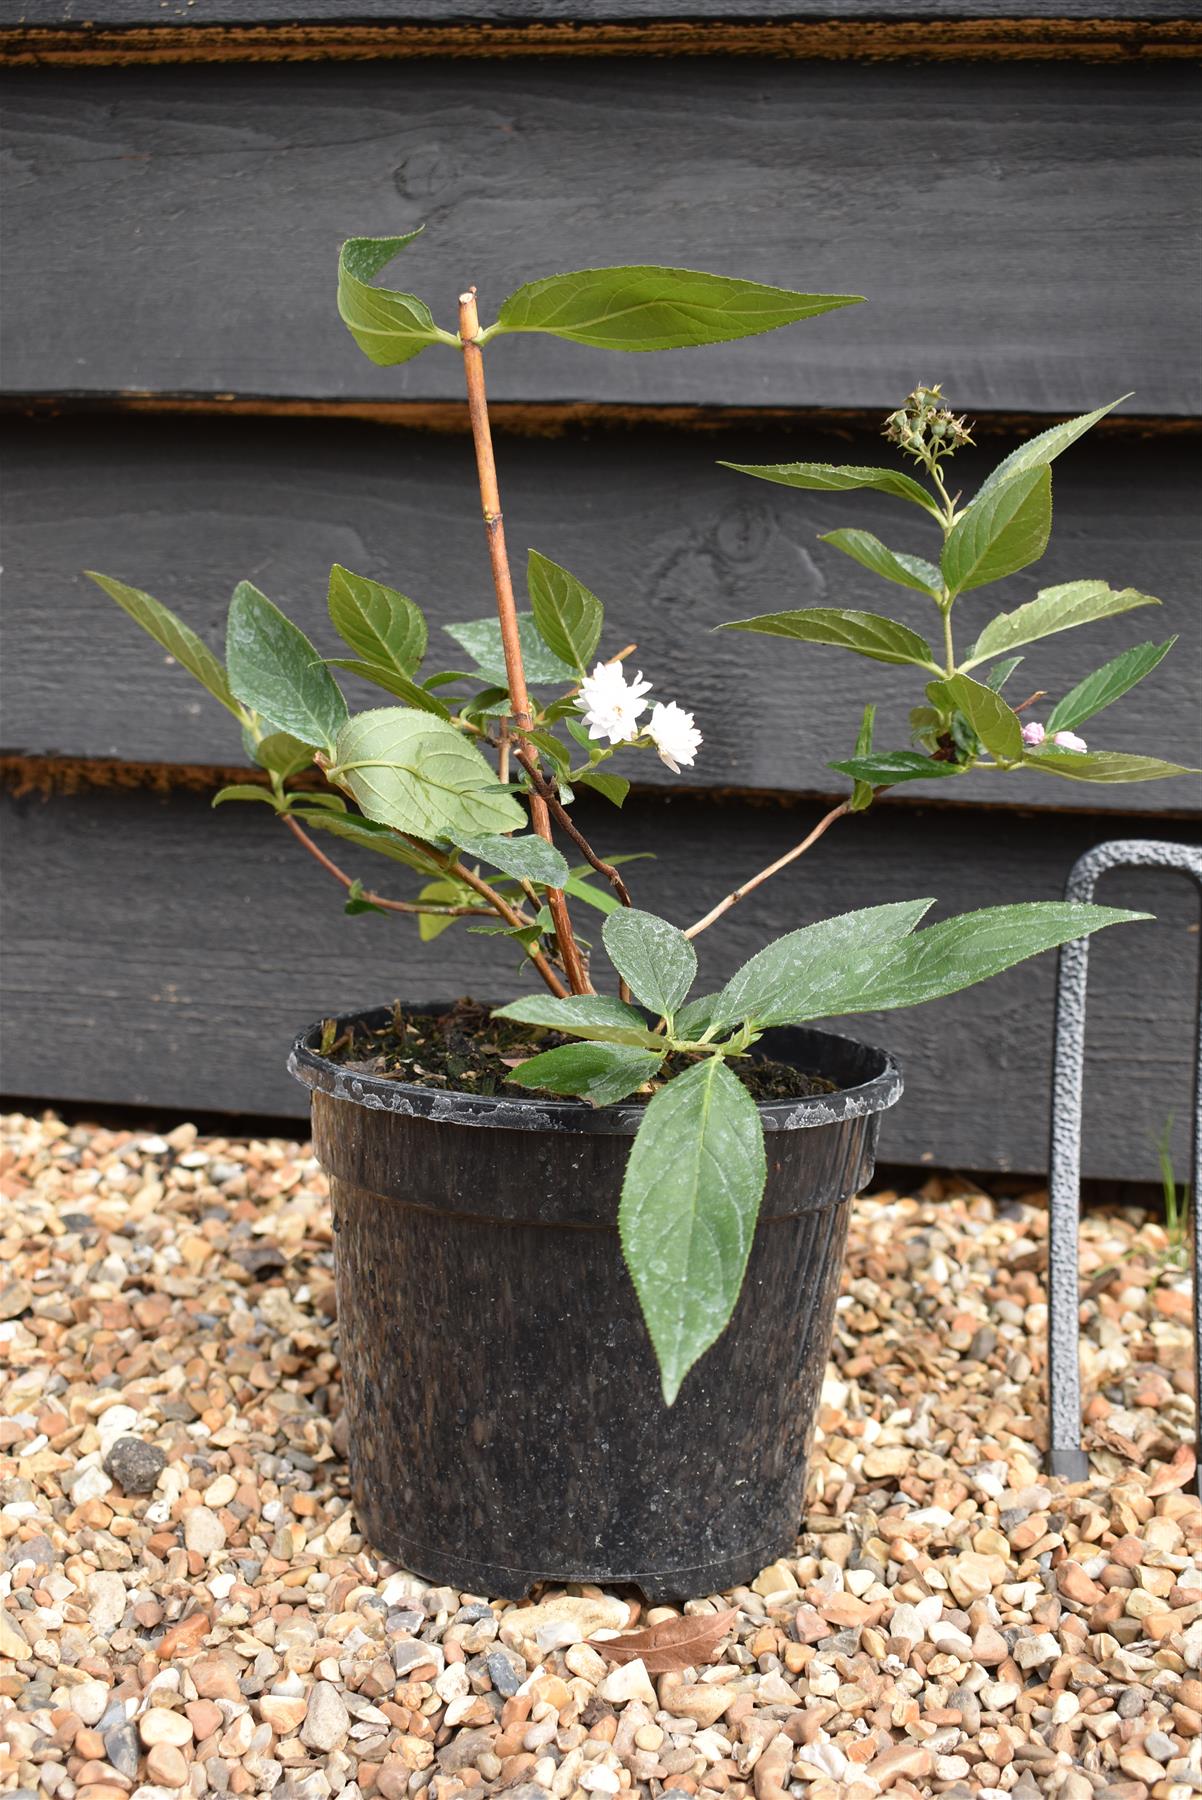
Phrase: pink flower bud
x=1068 y=740
x=1033 y=733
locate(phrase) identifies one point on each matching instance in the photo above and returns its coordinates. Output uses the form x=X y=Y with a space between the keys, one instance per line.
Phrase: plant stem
x=949 y=649
x=733 y=898
x=562 y=817
x=494 y=527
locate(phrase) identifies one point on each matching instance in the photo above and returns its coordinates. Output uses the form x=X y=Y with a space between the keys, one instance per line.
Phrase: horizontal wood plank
x=673 y=544
x=86 y=14
x=161 y=955
x=1023 y=230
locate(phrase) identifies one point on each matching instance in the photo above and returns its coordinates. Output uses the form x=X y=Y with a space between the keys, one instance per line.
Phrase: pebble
x=950 y=1621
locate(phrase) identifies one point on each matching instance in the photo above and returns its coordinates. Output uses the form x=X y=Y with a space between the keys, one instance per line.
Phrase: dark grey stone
x=135 y=1465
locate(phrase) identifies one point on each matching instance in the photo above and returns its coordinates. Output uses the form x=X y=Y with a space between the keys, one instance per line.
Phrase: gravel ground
x=189 y=1610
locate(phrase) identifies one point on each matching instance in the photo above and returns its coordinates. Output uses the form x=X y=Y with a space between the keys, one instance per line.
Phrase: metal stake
x=1065 y=1455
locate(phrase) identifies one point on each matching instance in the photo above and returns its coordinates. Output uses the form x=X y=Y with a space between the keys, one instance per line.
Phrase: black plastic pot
x=504 y=1409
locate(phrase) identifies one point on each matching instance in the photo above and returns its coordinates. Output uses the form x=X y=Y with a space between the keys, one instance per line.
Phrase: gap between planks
x=546 y=418
x=929 y=40
x=50 y=777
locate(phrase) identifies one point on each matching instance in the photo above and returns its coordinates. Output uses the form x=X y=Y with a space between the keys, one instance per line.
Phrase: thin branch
x=401 y=906
x=494 y=527
x=739 y=893
x=515 y=919
x=562 y=817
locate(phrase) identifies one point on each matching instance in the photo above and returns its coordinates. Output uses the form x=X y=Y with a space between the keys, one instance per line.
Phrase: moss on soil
x=468 y=1051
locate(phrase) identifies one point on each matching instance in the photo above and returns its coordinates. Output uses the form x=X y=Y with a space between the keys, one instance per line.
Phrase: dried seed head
x=925 y=428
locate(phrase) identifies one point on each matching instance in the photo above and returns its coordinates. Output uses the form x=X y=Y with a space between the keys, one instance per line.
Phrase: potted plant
x=547 y=1215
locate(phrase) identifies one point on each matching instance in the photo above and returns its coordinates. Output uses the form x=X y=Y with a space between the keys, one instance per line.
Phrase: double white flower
x=612 y=707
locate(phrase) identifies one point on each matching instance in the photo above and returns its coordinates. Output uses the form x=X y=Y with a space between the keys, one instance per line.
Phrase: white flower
x=1033 y=733
x=611 y=705
x=1068 y=740
x=674 y=734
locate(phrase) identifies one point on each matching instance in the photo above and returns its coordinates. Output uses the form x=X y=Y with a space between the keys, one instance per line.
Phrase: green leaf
x=603 y=899
x=388 y=327
x=690 y=1200
x=614 y=787
x=282 y=754
x=1001 y=533
x=1107 y=684
x=568 y=617
x=1053 y=609
x=1037 y=452
x=527 y=858
x=597 y=1016
x=1001 y=672
x=885 y=768
x=868 y=634
x=176 y=638
x=247 y=791
x=837 y=478
x=275 y=670
x=481 y=638
x=1102 y=765
x=790 y=976
x=997 y=727
x=356 y=902
x=602 y=1073
x=657 y=960
x=694 y=1018
x=438 y=893
x=649 y=308
x=368 y=836
x=381 y=626
x=865 y=548
x=862 y=791
x=393 y=682
x=420 y=775
x=959 y=952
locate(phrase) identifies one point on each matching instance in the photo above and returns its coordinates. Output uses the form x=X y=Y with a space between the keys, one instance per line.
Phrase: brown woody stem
x=494 y=528
x=739 y=893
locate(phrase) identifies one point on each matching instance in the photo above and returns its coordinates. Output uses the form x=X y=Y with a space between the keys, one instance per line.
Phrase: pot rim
x=378 y=1093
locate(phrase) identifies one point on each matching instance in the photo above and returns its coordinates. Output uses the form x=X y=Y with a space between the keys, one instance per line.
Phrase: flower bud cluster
x=924 y=427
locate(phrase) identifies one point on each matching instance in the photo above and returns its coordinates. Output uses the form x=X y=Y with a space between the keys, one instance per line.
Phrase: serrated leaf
x=644 y=307
x=481 y=638
x=997 y=727
x=672 y=1645
x=868 y=634
x=282 y=754
x=393 y=682
x=246 y=791
x=959 y=952
x=614 y=787
x=788 y=977
x=600 y=1073
x=420 y=775
x=388 y=327
x=862 y=791
x=1001 y=533
x=382 y=627
x=274 y=669
x=1107 y=684
x=1102 y=765
x=1038 y=451
x=1054 y=609
x=652 y=956
x=694 y=1018
x=368 y=836
x=837 y=478
x=1001 y=672
x=690 y=1200
x=569 y=618
x=886 y=768
x=867 y=549
x=598 y=1016
x=176 y=638
x=527 y=858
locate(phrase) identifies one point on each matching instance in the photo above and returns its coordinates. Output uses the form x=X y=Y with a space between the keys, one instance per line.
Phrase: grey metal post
x=1065 y=1455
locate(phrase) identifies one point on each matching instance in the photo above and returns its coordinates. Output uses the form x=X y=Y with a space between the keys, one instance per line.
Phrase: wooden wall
x=1016 y=195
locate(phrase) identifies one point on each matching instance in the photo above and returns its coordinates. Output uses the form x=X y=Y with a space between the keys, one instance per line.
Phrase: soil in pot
x=466 y=1050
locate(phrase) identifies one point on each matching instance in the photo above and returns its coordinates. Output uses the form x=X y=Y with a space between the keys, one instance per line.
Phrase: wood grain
x=673 y=544
x=81 y=14
x=1030 y=244
x=161 y=955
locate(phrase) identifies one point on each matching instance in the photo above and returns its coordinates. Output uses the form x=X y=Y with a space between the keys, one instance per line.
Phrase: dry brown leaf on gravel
x=672 y=1645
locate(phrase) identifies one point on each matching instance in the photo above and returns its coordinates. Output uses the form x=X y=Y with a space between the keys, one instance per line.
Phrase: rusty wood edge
x=1018 y=38
x=52 y=777
x=537 y=418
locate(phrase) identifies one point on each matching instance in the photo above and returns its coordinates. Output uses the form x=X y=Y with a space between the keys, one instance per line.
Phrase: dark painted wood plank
x=162 y=955
x=673 y=544
x=84 y=13
x=1023 y=231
